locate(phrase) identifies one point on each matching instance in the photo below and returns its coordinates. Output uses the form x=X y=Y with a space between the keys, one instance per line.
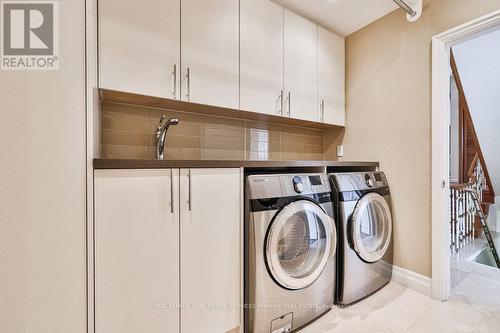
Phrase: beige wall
x=389 y=113
x=42 y=190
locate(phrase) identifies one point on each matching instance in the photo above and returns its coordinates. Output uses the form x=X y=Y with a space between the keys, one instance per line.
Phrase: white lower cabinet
x=210 y=249
x=136 y=251
x=163 y=238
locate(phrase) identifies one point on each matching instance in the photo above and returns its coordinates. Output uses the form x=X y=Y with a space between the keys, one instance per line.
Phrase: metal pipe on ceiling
x=406 y=7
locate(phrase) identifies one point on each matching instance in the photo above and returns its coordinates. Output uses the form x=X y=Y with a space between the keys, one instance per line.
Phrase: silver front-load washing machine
x=290 y=245
x=364 y=224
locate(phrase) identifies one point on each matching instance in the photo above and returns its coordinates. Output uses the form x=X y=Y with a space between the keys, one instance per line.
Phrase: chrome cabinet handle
x=289 y=97
x=171 y=191
x=188 y=82
x=280 y=103
x=322 y=109
x=174 y=75
x=189 y=194
x=285 y=105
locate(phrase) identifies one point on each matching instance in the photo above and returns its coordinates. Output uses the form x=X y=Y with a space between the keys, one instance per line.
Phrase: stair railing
x=463 y=210
x=462 y=216
x=477 y=172
x=482 y=219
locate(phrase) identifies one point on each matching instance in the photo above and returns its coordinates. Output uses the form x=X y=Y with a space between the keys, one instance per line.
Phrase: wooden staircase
x=470 y=153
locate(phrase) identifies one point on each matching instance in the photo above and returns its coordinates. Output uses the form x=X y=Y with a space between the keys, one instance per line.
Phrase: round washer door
x=371 y=227
x=300 y=241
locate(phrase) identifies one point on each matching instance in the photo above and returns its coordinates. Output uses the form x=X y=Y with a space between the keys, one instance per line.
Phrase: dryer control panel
x=352 y=181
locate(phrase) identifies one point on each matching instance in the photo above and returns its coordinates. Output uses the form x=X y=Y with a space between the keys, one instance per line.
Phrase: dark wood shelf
x=172 y=104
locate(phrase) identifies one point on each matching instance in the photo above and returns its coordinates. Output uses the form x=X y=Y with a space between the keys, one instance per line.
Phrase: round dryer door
x=371 y=227
x=300 y=241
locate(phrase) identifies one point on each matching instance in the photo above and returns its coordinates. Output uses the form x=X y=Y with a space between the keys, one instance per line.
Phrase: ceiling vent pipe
x=413 y=8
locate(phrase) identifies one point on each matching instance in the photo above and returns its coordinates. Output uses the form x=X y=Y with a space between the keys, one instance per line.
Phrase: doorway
x=441 y=166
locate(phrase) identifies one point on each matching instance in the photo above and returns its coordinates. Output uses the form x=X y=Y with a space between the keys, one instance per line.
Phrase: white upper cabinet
x=139 y=46
x=136 y=251
x=331 y=77
x=301 y=68
x=211 y=248
x=248 y=54
x=261 y=67
x=210 y=52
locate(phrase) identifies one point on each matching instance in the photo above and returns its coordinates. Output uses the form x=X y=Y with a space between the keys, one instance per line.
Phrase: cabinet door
x=331 y=77
x=210 y=53
x=261 y=66
x=211 y=224
x=136 y=251
x=139 y=45
x=301 y=67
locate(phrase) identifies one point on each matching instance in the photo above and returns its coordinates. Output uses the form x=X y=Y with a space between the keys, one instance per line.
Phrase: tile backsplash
x=128 y=132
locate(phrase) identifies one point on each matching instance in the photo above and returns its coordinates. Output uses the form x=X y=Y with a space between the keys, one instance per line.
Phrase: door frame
x=440 y=114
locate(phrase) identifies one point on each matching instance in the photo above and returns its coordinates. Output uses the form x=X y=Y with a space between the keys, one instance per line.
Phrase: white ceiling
x=477 y=62
x=340 y=16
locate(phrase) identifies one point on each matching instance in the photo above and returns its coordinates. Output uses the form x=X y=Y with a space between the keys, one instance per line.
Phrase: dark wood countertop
x=158 y=164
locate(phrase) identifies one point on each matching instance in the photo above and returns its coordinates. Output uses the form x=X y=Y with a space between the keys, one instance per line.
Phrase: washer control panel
x=304 y=184
x=277 y=186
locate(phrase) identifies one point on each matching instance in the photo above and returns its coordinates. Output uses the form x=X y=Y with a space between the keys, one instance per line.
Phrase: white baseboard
x=411 y=280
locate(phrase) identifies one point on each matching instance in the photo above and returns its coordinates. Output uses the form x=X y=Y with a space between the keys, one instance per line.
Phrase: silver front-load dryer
x=290 y=245
x=364 y=224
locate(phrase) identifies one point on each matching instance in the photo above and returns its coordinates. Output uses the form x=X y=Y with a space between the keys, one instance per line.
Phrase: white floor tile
x=486 y=271
x=460 y=314
x=457 y=276
x=474 y=308
x=480 y=287
x=474 y=267
x=394 y=309
x=345 y=321
x=397 y=307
